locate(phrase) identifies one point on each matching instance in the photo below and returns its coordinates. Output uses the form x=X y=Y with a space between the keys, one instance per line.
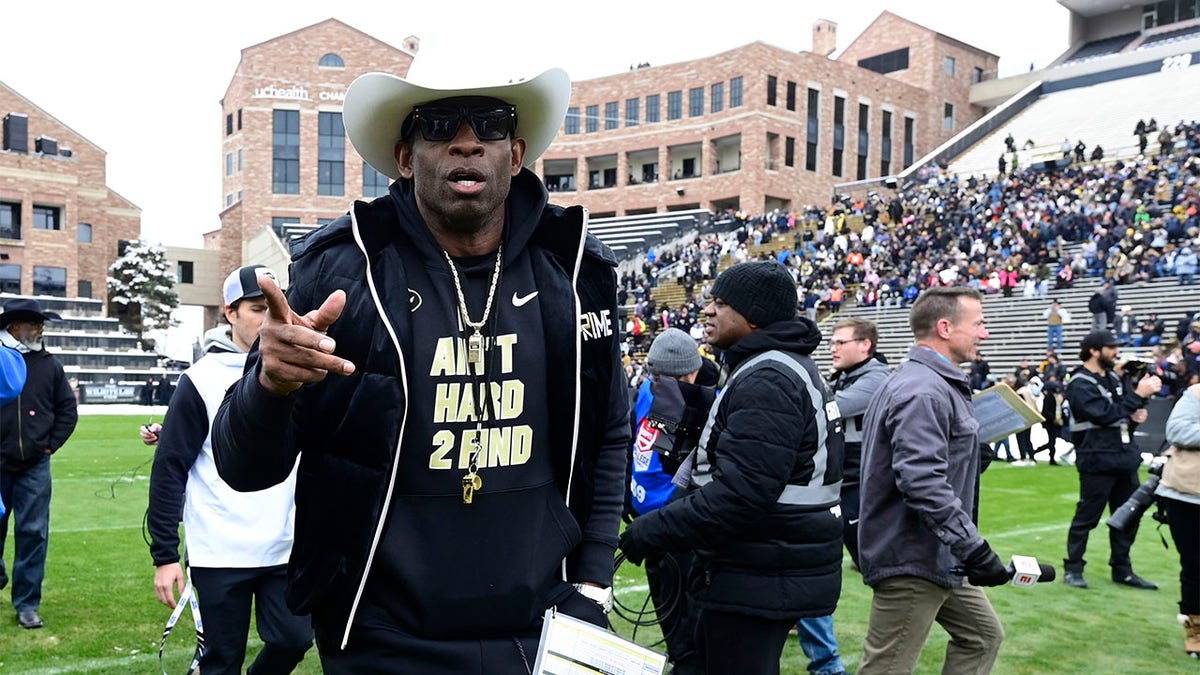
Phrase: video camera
x=1134 y=370
x=1130 y=513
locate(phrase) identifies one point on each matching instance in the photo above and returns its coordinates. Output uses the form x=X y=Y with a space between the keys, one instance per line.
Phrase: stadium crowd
x=1009 y=234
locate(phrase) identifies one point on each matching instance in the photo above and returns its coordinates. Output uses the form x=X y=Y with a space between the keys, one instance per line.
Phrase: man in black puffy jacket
x=764 y=515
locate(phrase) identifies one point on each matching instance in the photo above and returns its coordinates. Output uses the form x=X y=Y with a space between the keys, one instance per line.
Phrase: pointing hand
x=295 y=349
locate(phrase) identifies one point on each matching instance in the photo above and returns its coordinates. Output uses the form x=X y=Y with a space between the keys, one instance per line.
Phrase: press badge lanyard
x=187 y=598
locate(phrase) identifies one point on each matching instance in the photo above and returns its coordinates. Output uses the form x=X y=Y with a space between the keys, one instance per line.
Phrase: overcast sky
x=144 y=80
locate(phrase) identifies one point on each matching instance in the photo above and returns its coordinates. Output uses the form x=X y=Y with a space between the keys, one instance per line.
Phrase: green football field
x=102 y=617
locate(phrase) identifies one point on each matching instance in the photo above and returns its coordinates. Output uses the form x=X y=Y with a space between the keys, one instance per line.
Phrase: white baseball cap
x=242 y=283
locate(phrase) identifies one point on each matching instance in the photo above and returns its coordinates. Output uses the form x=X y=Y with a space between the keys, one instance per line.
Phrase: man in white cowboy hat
x=32 y=427
x=446 y=366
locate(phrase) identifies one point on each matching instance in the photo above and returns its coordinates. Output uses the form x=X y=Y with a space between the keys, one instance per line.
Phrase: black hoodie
x=353 y=435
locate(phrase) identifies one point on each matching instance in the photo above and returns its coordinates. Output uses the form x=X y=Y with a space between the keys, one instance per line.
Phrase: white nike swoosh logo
x=520 y=300
x=854 y=522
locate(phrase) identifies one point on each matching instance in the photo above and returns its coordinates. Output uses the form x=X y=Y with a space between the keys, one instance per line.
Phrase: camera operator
x=1179 y=490
x=1103 y=412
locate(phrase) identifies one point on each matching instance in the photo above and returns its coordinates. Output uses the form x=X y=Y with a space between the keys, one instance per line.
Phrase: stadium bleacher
x=1168 y=96
x=1100 y=48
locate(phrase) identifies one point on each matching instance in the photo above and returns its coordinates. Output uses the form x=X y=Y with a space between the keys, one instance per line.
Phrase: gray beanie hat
x=763 y=292
x=673 y=353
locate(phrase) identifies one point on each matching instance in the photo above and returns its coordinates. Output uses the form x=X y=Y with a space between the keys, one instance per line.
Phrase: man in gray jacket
x=921 y=459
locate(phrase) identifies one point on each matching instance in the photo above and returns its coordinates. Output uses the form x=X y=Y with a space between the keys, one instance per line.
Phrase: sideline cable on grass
x=637 y=617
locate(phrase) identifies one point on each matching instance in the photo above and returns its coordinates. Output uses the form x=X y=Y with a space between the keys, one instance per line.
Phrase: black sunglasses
x=440 y=123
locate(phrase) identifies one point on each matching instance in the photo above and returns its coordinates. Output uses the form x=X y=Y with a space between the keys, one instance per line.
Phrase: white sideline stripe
x=1060 y=527
x=96 y=528
x=88 y=665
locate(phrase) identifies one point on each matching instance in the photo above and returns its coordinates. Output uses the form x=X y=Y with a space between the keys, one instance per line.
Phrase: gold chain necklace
x=471 y=481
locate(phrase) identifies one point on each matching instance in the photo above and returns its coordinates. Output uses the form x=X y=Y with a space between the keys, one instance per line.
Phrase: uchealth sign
x=296 y=93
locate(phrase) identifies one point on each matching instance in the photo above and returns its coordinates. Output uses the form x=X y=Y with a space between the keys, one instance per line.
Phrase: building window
x=10 y=278
x=239 y=126
x=331 y=154
x=653 y=108
x=331 y=61
x=239 y=161
x=772 y=82
x=789 y=151
x=674 y=105
x=633 y=111
x=612 y=116
x=229 y=124
x=976 y=75
x=812 y=130
x=10 y=220
x=910 y=134
x=950 y=66
x=229 y=164
x=47 y=218
x=864 y=140
x=285 y=165
x=695 y=101
x=184 y=272
x=948 y=116
x=279 y=223
x=839 y=134
x=375 y=184
x=571 y=123
x=886 y=63
x=83 y=289
x=735 y=92
x=593 y=119
x=84 y=234
x=885 y=146
x=50 y=281
x=717 y=96
x=791 y=95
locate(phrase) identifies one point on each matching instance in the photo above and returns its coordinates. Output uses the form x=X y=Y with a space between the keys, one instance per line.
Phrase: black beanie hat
x=762 y=292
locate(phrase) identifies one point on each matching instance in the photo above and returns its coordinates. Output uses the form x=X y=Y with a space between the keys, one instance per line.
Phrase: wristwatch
x=600 y=596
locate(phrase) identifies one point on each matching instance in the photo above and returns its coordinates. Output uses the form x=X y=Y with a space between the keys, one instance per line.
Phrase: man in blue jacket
x=764 y=516
x=32 y=428
x=446 y=366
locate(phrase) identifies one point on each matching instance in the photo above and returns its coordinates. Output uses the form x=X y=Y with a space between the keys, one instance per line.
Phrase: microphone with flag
x=1023 y=571
x=1026 y=571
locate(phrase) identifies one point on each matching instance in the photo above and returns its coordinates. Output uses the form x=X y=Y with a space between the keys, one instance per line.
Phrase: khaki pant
x=903 y=610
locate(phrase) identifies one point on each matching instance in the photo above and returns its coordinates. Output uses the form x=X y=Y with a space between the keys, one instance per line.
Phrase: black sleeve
x=767 y=419
x=253 y=439
x=66 y=409
x=179 y=443
x=1090 y=405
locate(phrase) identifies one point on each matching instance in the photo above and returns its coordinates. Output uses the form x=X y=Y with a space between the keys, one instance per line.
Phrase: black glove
x=984 y=568
x=634 y=548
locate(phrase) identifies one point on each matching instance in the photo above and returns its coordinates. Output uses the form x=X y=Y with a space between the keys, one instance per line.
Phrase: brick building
x=755 y=128
x=60 y=224
x=286 y=162
x=760 y=127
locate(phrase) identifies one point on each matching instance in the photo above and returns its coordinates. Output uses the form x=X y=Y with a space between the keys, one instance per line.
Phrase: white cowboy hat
x=376 y=105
